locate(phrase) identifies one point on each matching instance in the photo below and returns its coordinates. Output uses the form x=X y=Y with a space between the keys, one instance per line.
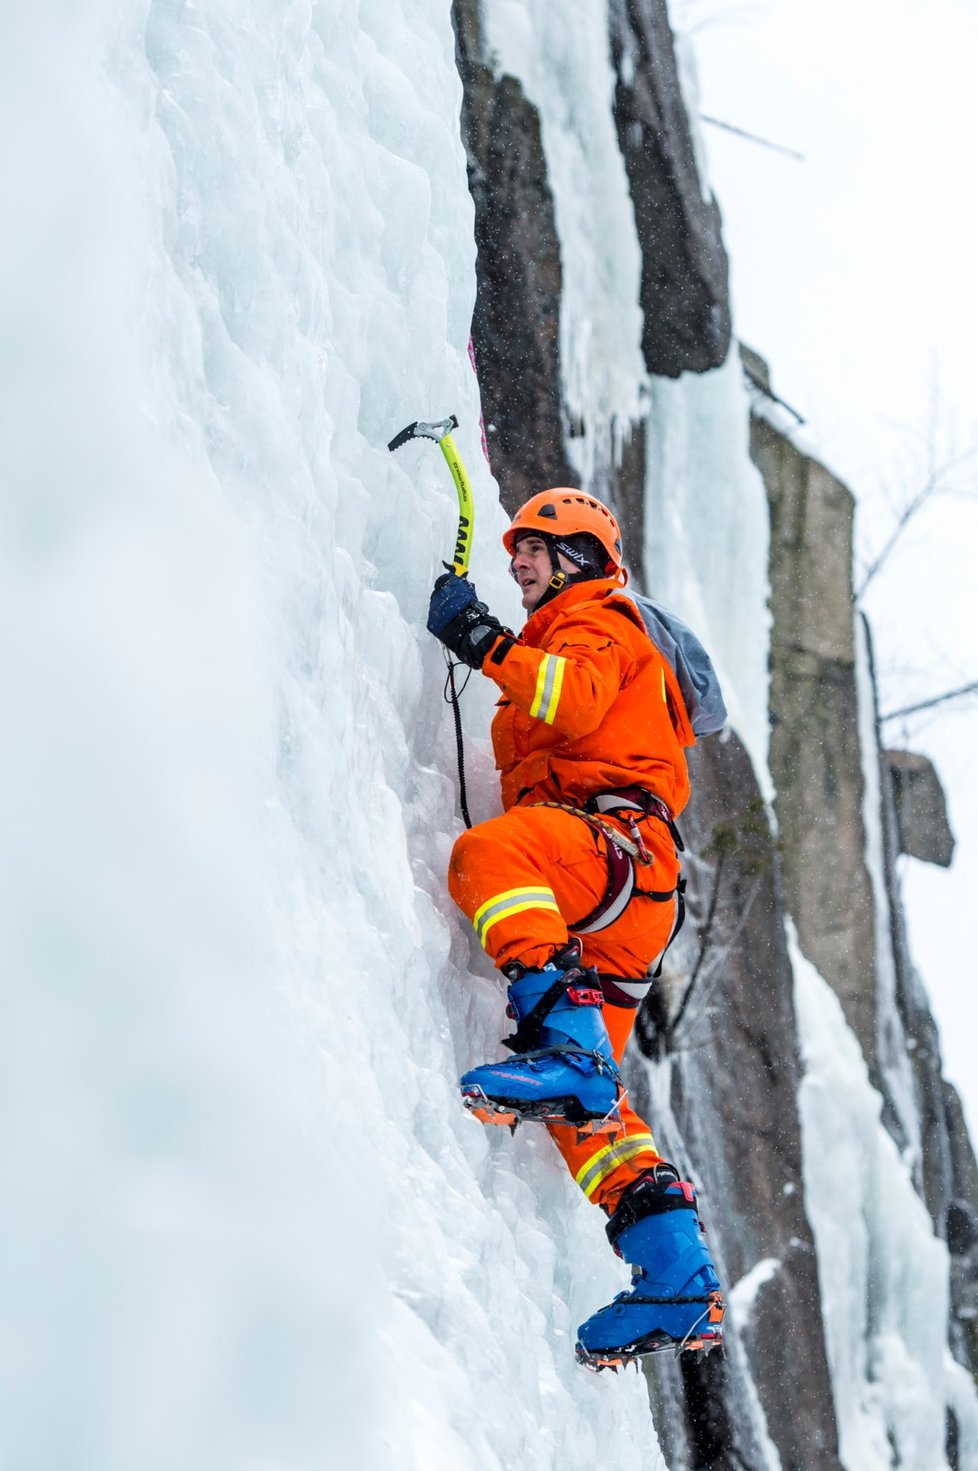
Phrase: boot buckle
x=584 y=996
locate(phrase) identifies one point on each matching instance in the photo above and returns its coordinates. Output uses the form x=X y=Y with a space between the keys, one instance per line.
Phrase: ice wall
x=892 y=1040
x=246 y=1225
x=707 y=532
x=883 y=1273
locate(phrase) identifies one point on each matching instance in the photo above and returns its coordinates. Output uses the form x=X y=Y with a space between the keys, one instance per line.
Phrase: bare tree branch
x=704 y=946
x=695 y=16
x=944 y=699
x=939 y=465
x=716 y=122
x=938 y=482
x=715 y=969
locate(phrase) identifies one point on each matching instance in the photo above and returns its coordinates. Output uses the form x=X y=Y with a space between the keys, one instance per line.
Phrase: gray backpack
x=690 y=663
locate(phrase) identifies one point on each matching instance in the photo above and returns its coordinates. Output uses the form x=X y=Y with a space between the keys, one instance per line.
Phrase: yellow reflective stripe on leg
x=511 y=901
x=600 y=1165
x=550 y=677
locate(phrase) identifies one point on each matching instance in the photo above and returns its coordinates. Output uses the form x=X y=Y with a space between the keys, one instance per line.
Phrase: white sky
x=854 y=274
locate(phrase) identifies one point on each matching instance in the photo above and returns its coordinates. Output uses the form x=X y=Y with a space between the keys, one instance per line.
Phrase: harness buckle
x=639 y=843
x=636 y=799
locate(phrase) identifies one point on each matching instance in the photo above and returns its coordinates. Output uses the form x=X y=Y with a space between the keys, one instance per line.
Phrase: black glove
x=460 y=621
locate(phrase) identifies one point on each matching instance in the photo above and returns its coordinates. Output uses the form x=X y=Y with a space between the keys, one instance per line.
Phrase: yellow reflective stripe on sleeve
x=538 y=694
x=600 y=1165
x=550 y=677
x=558 y=684
x=512 y=901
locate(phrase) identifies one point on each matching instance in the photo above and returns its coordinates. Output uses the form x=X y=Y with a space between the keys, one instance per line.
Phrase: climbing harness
x=636 y=799
x=622 y=854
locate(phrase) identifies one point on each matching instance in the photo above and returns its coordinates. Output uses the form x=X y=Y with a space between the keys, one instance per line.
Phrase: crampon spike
x=633 y=1353
x=512 y=1112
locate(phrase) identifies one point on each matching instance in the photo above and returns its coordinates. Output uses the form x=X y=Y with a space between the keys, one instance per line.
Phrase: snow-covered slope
x=246 y=1224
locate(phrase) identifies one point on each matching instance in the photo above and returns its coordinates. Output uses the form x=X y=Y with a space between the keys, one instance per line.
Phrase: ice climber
x=574 y=892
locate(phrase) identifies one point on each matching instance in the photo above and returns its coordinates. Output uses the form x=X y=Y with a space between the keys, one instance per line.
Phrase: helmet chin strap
x=559 y=579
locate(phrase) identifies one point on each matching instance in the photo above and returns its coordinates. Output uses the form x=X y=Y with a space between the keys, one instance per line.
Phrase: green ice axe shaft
x=441 y=434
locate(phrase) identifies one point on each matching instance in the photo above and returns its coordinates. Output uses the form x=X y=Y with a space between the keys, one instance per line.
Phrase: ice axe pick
x=441 y=433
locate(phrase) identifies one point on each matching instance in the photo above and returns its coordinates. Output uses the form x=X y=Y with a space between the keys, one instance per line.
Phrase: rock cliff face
x=815 y=755
x=921 y=809
x=723 y=1025
x=717 y=1048
x=825 y=771
x=515 y=330
x=684 y=265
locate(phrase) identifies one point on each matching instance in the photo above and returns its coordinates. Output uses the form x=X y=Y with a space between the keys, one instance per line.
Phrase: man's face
x=532 y=569
x=531 y=564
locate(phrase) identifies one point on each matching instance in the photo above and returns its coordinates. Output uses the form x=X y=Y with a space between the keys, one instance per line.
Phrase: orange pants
x=523 y=879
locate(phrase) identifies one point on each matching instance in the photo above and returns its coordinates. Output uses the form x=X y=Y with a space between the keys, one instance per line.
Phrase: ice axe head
x=420 y=430
x=441 y=433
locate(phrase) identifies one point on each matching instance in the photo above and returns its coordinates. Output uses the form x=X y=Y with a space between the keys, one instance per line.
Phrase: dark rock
x=625 y=494
x=755 y=367
x=707 y=1414
x=964 y=1169
x=737 y=1071
x=952 y=1440
x=469 y=39
x=815 y=755
x=944 y=1171
x=684 y=289
x=921 y=808
x=961 y=1228
x=516 y=325
x=962 y=1234
x=907 y=1034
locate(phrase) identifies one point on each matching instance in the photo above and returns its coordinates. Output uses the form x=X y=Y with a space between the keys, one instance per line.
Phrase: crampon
x=704 y=1337
x=513 y=1111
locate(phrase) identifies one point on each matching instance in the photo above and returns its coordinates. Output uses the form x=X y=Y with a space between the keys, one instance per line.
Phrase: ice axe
x=441 y=433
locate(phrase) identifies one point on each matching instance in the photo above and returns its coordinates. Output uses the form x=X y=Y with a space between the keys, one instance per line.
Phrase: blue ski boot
x=675 y=1300
x=563 y=1070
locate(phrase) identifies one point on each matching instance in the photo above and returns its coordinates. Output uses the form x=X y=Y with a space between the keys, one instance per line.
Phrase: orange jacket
x=588 y=704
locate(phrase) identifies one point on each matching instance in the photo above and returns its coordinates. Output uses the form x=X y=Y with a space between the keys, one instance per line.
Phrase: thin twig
x=718 y=960
x=762 y=387
x=932 y=486
x=704 y=944
x=939 y=480
x=716 y=122
x=958 y=694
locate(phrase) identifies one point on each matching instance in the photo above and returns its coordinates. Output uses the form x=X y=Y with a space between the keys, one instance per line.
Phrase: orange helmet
x=564 y=512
